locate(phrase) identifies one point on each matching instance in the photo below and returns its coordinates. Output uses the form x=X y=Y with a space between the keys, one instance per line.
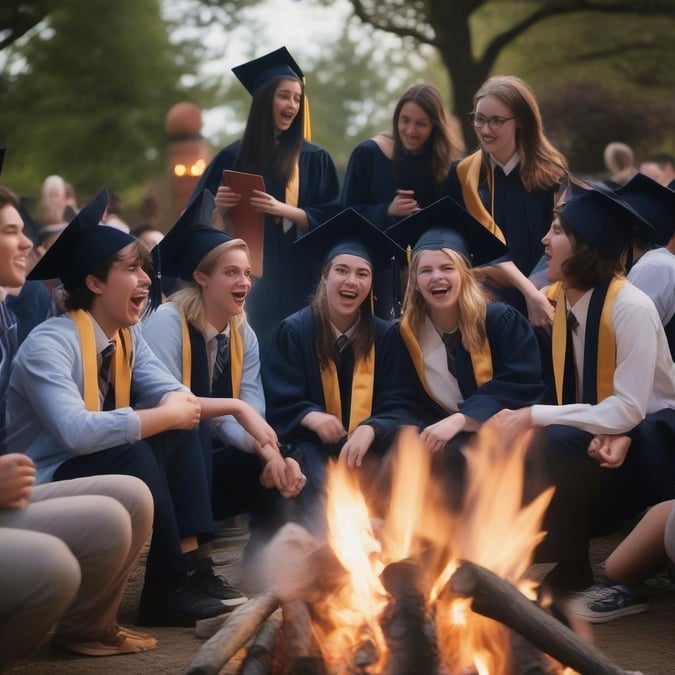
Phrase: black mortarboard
x=82 y=247
x=277 y=63
x=654 y=202
x=447 y=224
x=189 y=240
x=604 y=221
x=349 y=232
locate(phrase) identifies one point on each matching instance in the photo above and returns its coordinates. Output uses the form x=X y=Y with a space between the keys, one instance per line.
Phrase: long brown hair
x=541 y=164
x=445 y=141
x=472 y=301
x=363 y=336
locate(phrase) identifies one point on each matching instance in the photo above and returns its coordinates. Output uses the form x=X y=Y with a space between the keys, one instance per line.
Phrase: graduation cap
x=192 y=236
x=654 y=202
x=254 y=73
x=605 y=221
x=447 y=224
x=349 y=232
x=82 y=247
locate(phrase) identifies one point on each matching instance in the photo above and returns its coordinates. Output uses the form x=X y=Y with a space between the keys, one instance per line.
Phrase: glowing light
x=180 y=170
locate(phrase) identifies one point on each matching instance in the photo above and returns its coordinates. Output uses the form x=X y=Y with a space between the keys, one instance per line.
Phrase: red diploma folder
x=245 y=222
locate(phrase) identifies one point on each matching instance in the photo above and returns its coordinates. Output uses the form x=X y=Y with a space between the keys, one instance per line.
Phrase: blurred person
x=620 y=163
x=113 y=214
x=666 y=164
x=53 y=201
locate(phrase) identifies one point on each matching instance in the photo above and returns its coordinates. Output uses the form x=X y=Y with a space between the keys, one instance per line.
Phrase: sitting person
x=613 y=375
x=203 y=338
x=66 y=549
x=649 y=545
x=85 y=389
x=330 y=373
x=472 y=357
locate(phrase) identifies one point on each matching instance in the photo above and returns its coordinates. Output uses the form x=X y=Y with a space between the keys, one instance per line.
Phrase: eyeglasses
x=480 y=121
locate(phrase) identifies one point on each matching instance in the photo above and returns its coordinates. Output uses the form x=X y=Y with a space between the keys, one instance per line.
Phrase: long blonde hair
x=189 y=298
x=541 y=164
x=472 y=301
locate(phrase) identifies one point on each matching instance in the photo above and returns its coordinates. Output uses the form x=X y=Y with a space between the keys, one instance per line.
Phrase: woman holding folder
x=301 y=187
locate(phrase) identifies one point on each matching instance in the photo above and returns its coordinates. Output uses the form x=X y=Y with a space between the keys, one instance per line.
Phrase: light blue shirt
x=164 y=334
x=46 y=415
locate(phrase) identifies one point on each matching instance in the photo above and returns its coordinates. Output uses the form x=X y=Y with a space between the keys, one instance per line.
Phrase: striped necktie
x=104 y=383
x=222 y=357
x=450 y=342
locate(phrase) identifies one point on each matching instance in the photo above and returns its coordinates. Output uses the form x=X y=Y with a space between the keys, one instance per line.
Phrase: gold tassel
x=308 y=121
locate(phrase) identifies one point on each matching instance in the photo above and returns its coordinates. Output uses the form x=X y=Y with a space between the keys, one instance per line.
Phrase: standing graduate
x=202 y=336
x=472 y=357
x=331 y=373
x=510 y=186
x=608 y=444
x=301 y=183
x=396 y=173
x=88 y=397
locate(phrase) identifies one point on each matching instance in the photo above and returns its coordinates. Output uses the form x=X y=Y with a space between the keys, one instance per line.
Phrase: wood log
x=258 y=660
x=499 y=600
x=301 y=653
x=243 y=623
x=407 y=626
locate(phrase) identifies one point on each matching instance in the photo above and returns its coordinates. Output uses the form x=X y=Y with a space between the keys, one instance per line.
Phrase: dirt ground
x=643 y=642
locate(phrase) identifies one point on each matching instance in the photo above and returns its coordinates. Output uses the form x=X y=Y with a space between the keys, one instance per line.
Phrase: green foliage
x=86 y=96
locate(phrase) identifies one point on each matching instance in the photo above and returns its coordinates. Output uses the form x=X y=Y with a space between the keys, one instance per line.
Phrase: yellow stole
x=121 y=363
x=606 y=356
x=293 y=185
x=481 y=360
x=363 y=382
x=236 y=355
x=468 y=172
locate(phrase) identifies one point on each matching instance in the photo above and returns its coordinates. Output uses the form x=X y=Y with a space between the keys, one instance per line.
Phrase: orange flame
x=492 y=529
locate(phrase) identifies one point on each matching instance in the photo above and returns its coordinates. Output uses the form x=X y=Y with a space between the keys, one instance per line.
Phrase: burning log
x=301 y=653
x=499 y=600
x=258 y=659
x=242 y=624
x=408 y=629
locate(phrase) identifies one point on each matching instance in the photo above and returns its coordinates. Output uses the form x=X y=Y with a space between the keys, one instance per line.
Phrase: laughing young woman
x=203 y=338
x=330 y=373
x=472 y=357
x=301 y=183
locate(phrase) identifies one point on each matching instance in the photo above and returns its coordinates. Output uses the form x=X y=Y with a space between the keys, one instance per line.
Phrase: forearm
x=217 y=407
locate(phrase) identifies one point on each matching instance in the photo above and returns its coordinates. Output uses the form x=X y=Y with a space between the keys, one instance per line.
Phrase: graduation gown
x=516 y=368
x=369 y=186
x=292 y=379
x=523 y=217
x=289 y=276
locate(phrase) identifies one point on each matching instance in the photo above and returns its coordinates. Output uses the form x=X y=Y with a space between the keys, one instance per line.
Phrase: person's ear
x=201 y=278
x=94 y=284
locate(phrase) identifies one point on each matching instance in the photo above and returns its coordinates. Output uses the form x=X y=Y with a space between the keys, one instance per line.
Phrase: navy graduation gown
x=292 y=378
x=289 y=275
x=516 y=367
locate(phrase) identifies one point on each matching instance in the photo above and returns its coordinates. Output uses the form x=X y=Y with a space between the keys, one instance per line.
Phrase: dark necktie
x=450 y=342
x=569 y=373
x=104 y=380
x=222 y=357
x=341 y=343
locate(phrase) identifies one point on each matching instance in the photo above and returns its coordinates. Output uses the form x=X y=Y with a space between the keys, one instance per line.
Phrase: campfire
x=407 y=587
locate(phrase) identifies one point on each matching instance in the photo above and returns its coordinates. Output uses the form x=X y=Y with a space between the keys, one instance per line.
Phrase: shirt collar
x=349 y=332
x=580 y=309
x=99 y=336
x=509 y=166
x=210 y=332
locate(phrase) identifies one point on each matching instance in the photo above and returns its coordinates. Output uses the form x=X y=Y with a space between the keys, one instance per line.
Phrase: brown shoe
x=115 y=640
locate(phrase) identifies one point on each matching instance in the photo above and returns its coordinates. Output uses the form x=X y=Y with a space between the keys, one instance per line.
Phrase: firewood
x=497 y=599
x=258 y=659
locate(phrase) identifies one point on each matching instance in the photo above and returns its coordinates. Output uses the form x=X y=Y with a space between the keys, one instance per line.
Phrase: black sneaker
x=178 y=607
x=203 y=579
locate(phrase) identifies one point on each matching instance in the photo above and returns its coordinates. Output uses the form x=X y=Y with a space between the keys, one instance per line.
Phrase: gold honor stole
x=121 y=363
x=606 y=352
x=236 y=355
x=468 y=172
x=293 y=185
x=481 y=360
x=363 y=382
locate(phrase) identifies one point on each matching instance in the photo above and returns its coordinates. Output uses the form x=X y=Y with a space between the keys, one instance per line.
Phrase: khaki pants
x=68 y=554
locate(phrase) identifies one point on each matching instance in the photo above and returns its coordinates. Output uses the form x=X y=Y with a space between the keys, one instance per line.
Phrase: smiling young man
x=86 y=389
x=614 y=380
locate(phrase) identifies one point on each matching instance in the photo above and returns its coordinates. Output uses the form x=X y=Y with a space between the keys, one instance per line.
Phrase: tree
x=86 y=95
